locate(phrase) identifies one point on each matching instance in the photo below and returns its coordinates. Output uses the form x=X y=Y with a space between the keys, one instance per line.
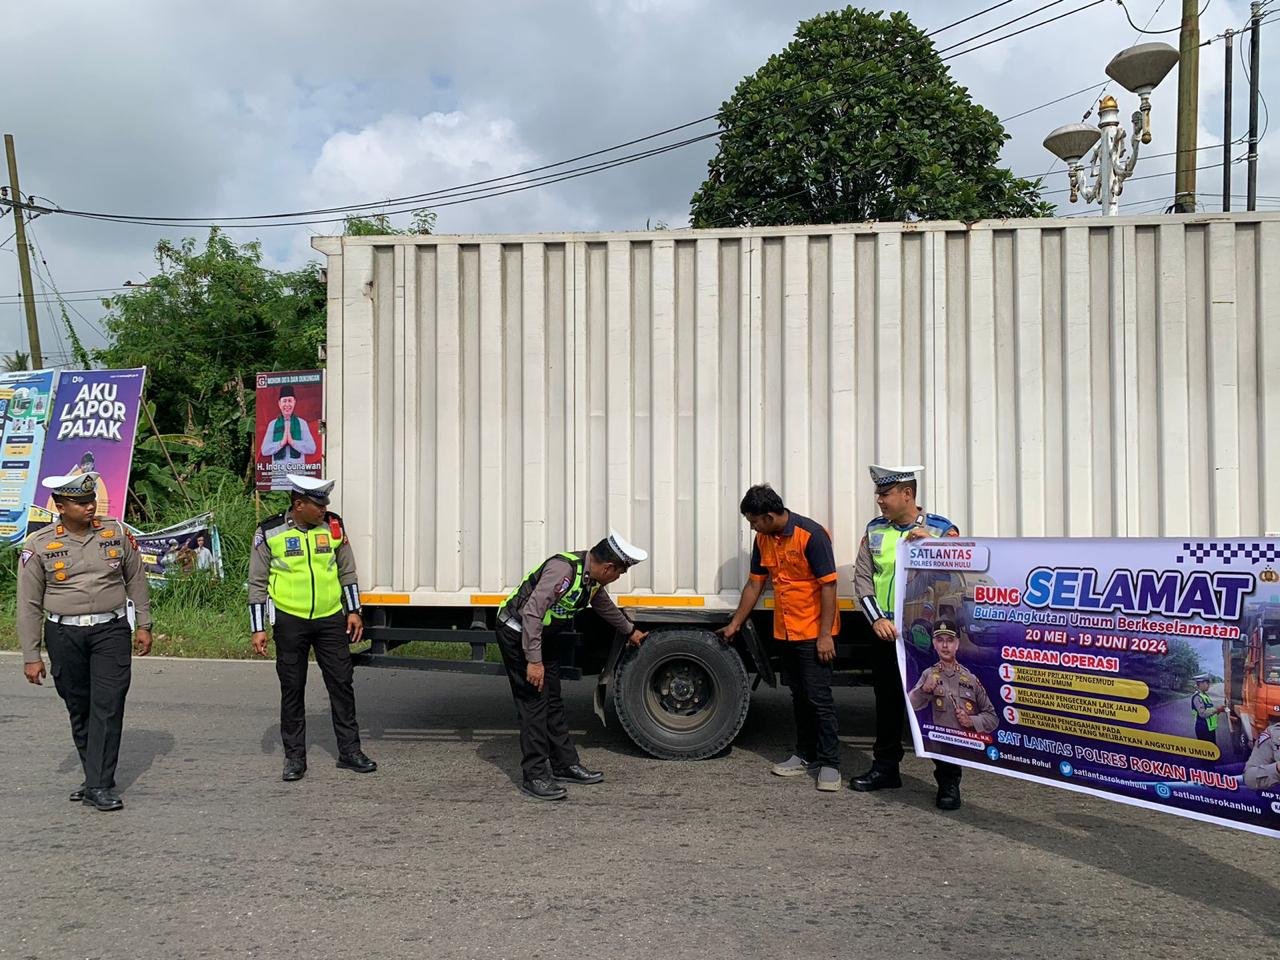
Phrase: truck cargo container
x=491 y=400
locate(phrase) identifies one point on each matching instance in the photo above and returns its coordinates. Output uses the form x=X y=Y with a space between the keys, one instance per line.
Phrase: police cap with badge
x=617 y=550
x=79 y=487
x=315 y=489
x=886 y=478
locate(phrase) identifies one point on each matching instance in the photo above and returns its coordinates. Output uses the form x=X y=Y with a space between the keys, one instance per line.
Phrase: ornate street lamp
x=1139 y=70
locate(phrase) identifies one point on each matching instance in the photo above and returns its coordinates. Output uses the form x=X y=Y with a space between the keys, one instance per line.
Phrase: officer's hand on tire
x=259 y=640
x=34 y=671
x=142 y=641
x=535 y=673
x=355 y=628
x=885 y=629
x=637 y=637
x=728 y=632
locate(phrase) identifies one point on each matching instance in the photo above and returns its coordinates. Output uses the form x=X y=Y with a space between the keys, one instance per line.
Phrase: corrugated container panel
x=494 y=399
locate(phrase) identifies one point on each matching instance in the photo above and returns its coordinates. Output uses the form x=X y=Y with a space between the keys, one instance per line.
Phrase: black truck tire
x=682 y=695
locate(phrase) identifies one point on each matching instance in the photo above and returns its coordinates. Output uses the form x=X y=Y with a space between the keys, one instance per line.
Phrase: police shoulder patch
x=1263 y=737
x=25 y=556
x=133 y=541
x=259 y=538
x=564 y=585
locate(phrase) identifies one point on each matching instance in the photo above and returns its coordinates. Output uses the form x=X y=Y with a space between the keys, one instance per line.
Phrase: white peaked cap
x=314 y=488
x=882 y=476
x=625 y=550
x=72 y=484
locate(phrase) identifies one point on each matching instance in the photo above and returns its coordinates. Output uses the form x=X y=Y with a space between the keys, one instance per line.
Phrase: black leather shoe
x=948 y=796
x=358 y=762
x=875 y=779
x=541 y=789
x=577 y=774
x=293 y=770
x=77 y=794
x=103 y=799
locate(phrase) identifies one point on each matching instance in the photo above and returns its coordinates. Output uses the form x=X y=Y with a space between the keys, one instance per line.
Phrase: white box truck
x=491 y=400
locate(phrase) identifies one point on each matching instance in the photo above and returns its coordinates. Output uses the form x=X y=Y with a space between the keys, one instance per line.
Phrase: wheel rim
x=680 y=693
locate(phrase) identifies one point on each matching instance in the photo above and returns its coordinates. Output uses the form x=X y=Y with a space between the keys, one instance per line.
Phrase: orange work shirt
x=797 y=561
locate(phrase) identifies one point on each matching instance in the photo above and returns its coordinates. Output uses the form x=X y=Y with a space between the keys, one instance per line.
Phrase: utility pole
x=1188 y=106
x=1255 y=21
x=1226 y=128
x=24 y=255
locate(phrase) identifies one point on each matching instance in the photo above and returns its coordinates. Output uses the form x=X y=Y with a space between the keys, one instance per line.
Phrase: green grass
x=196 y=615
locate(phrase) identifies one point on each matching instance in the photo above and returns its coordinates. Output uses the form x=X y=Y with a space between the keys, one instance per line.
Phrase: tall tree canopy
x=858 y=119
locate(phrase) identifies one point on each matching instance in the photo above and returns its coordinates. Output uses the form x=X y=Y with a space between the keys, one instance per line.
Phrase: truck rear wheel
x=682 y=695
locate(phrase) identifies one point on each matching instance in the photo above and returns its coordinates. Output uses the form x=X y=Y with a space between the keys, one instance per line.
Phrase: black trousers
x=544 y=734
x=891 y=710
x=92 y=667
x=817 y=732
x=294 y=637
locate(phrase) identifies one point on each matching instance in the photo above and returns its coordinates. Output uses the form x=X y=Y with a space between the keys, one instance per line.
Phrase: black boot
x=876 y=779
x=358 y=762
x=543 y=789
x=294 y=769
x=949 y=795
x=577 y=774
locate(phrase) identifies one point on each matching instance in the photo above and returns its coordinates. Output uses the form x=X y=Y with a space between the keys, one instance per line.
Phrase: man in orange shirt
x=796 y=555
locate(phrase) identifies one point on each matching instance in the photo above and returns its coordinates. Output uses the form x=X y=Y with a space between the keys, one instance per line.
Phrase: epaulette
x=937 y=520
x=880 y=521
x=267 y=527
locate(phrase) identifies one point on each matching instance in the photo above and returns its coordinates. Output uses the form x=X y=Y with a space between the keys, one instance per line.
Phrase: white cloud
x=249 y=107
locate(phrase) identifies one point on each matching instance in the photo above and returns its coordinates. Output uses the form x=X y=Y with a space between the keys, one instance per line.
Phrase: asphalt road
x=437 y=855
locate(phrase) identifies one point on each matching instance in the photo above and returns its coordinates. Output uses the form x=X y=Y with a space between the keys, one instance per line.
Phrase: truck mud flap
x=606 y=677
x=759 y=655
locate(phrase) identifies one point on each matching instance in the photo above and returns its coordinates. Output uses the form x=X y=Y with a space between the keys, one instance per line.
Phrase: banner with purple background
x=1074 y=665
x=94 y=423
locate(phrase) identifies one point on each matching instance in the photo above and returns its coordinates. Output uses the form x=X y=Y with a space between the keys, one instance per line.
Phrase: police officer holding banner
x=81 y=581
x=302 y=568
x=873 y=583
x=530 y=622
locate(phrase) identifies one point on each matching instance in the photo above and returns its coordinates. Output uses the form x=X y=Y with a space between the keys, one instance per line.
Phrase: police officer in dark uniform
x=529 y=623
x=81 y=579
x=302 y=566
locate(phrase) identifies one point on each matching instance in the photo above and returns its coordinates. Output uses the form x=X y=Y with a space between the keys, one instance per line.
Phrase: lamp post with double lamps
x=1139 y=70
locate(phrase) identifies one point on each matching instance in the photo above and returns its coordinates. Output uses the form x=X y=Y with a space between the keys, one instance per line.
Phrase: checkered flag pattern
x=1252 y=552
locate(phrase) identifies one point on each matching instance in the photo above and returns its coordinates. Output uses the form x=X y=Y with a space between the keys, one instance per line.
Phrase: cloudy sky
x=238 y=108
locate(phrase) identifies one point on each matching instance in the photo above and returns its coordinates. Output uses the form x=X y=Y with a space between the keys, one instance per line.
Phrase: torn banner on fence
x=180 y=550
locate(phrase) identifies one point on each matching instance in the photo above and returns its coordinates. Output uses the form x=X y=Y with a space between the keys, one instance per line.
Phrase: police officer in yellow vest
x=530 y=621
x=81 y=585
x=873 y=583
x=1205 y=712
x=302 y=567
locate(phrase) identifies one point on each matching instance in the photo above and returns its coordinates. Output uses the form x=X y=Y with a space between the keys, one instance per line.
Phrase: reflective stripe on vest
x=1211 y=721
x=304 y=570
x=573 y=600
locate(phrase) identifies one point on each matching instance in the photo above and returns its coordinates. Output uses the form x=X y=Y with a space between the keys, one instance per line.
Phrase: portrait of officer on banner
x=954 y=695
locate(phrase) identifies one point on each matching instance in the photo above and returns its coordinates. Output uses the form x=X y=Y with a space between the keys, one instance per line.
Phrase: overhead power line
x=500 y=186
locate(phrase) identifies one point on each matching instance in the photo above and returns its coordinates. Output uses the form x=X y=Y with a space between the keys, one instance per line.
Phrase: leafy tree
x=858 y=119
x=211 y=318
x=15 y=362
x=422 y=221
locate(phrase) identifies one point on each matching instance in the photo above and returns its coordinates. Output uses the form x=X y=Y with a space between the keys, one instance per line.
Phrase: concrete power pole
x=1188 y=107
x=1255 y=61
x=24 y=256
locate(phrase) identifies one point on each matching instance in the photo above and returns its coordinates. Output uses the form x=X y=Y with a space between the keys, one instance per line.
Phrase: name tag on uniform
x=293 y=546
x=322 y=543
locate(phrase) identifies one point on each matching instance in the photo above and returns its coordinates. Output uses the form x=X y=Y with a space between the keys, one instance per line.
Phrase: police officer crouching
x=82 y=578
x=302 y=565
x=530 y=622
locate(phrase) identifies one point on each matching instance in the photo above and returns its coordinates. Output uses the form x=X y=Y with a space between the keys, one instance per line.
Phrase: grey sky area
x=180 y=109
